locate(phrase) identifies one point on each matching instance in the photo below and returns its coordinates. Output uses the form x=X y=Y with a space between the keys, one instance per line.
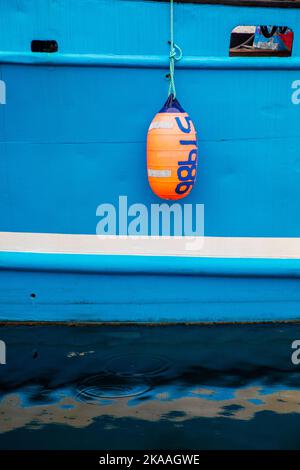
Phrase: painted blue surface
x=149 y=61
x=172 y=265
x=134 y=292
x=73 y=136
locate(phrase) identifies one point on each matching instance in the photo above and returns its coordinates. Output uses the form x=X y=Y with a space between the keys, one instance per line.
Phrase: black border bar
x=244 y=3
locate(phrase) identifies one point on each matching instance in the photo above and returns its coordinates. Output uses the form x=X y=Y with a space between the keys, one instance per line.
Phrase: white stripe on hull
x=202 y=247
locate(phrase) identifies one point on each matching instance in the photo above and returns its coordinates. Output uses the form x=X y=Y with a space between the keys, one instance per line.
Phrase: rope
x=174 y=50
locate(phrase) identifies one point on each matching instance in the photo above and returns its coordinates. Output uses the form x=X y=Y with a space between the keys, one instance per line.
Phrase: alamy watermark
x=167 y=219
x=2 y=92
x=296 y=93
x=295 y=357
x=2 y=352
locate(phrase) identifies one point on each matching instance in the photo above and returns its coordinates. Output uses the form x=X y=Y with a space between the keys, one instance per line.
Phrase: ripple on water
x=97 y=387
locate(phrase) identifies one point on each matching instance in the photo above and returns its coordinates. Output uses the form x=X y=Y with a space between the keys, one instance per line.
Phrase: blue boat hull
x=73 y=128
x=146 y=290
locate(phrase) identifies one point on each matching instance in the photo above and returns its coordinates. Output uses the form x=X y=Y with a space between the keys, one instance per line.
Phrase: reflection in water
x=162 y=404
x=206 y=381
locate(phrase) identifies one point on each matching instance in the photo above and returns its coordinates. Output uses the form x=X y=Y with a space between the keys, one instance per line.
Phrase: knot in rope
x=173 y=52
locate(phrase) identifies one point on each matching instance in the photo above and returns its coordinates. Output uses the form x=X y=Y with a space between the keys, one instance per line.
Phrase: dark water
x=175 y=387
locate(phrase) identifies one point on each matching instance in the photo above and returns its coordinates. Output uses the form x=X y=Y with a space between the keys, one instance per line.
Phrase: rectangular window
x=261 y=41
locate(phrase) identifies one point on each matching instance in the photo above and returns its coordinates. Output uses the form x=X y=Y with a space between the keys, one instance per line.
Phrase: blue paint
x=151 y=61
x=73 y=117
x=163 y=265
x=145 y=296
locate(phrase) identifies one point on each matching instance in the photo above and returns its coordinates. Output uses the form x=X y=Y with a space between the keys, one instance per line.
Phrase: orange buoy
x=172 y=152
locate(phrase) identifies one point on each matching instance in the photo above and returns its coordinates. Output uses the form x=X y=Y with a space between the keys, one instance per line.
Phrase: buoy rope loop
x=175 y=52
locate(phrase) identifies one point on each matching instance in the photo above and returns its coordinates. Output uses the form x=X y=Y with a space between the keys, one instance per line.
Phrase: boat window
x=256 y=41
x=44 y=46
